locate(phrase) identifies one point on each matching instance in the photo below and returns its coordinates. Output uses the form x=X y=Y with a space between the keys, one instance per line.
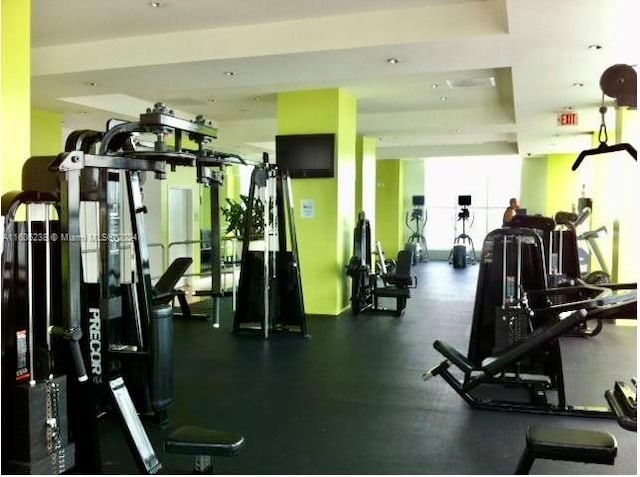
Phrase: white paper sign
x=308 y=208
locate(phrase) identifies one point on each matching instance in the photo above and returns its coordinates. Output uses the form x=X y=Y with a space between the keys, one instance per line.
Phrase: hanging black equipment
x=619 y=82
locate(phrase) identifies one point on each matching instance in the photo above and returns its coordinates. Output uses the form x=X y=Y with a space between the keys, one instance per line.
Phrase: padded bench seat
x=575 y=445
x=203 y=443
x=198 y=441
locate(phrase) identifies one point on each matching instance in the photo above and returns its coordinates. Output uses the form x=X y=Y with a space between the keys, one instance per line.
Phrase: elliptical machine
x=459 y=254
x=417 y=243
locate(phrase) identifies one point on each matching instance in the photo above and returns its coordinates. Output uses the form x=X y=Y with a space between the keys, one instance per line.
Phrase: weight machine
x=365 y=290
x=270 y=283
x=121 y=333
x=514 y=361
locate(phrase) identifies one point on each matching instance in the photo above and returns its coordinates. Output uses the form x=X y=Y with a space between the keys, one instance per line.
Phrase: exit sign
x=567 y=119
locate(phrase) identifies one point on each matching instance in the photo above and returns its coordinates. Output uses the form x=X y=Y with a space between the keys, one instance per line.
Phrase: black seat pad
x=572 y=444
x=398 y=280
x=198 y=441
x=393 y=292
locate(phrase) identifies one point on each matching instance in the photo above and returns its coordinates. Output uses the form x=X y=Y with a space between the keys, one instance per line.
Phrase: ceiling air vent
x=472 y=83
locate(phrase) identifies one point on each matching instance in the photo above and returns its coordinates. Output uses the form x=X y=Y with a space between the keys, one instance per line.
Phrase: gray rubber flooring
x=351 y=399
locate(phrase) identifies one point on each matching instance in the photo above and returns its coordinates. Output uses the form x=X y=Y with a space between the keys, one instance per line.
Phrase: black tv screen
x=464 y=200
x=417 y=200
x=306 y=155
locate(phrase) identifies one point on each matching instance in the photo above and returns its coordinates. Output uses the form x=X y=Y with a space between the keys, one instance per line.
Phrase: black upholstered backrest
x=173 y=274
x=403 y=267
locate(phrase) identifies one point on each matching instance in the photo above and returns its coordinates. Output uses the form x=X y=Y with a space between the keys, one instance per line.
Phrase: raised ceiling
x=89 y=56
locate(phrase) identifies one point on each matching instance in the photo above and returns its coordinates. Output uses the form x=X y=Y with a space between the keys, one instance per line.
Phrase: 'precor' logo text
x=95 y=344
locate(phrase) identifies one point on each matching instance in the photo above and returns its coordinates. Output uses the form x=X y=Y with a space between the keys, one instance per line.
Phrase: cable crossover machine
x=270 y=295
x=75 y=352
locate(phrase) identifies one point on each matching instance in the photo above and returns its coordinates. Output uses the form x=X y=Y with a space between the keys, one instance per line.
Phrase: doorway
x=180 y=223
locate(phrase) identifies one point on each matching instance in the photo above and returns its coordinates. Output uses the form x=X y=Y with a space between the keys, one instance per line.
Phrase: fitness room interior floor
x=351 y=400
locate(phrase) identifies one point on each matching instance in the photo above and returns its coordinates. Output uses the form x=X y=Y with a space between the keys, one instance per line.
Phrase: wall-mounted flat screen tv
x=306 y=155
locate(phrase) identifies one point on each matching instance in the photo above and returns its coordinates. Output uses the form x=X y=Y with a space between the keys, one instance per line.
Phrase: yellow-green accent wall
x=563 y=187
x=46 y=133
x=389 y=203
x=533 y=185
x=15 y=90
x=325 y=241
x=414 y=184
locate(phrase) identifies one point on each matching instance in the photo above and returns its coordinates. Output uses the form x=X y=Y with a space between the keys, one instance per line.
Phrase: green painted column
x=46 y=133
x=413 y=184
x=324 y=241
x=389 y=204
x=15 y=90
x=366 y=178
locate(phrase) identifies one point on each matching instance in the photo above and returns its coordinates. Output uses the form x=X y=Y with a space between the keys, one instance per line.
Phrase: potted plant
x=235 y=216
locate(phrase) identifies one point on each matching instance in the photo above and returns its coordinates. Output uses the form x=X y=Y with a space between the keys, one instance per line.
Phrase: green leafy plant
x=235 y=216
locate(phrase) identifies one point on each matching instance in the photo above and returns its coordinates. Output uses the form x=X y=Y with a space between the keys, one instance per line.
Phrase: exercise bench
x=165 y=289
x=204 y=444
x=575 y=445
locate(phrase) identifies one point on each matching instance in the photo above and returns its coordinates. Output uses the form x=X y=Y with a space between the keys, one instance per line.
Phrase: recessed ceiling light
x=455 y=131
x=568 y=108
x=229 y=73
x=578 y=84
x=595 y=46
x=393 y=61
x=156 y=4
x=212 y=100
x=435 y=85
x=92 y=83
x=443 y=98
x=257 y=99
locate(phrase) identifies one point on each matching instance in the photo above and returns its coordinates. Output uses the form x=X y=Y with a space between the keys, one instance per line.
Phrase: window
x=490 y=181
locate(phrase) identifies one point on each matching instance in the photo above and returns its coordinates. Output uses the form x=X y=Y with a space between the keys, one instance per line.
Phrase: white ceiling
x=535 y=49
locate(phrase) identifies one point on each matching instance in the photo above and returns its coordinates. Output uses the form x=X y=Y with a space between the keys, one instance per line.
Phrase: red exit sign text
x=567 y=119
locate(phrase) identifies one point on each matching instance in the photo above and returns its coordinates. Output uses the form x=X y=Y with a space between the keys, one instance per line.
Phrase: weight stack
x=511 y=327
x=31 y=451
x=459 y=256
